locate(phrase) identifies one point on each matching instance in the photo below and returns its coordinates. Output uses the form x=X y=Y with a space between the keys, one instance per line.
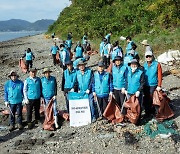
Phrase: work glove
x=72 y=90
x=137 y=93
x=158 y=88
x=26 y=101
x=21 y=58
x=110 y=96
x=54 y=98
x=95 y=96
x=123 y=90
x=7 y=104
x=87 y=91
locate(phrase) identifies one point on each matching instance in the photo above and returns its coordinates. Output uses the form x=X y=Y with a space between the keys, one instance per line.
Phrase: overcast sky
x=31 y=10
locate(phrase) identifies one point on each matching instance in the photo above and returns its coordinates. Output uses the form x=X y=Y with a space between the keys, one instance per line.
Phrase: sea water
x=5 y=36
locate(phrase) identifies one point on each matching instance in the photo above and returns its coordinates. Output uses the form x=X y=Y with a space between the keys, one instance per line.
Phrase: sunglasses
x=148 y=56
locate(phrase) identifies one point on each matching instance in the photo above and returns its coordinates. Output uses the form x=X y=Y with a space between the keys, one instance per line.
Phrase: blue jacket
x=105 y=49
x=102 y=84
x=84 y=81
x=78 y=51
x=151 y=74
x=129 y=47
x=69 y=79
x=33 y=87
x=49 y=87
x=29 y=55
x=64 y=55
x=119 y=76
x=54 y=49
x=69 y=43
x=13 y=91
x=135 y=81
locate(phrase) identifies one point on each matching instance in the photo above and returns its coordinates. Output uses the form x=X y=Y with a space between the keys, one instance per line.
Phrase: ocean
x=5 y=36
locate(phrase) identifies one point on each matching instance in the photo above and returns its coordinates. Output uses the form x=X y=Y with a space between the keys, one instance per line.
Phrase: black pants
x=102 y=102
x=54 y=58
x=29 y=64
x=33 y=103
x=119 y=97
x=106 y=61
x=66 y=90
x=148 y=99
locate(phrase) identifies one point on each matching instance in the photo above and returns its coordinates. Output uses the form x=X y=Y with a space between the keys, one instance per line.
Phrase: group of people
x=122 y=79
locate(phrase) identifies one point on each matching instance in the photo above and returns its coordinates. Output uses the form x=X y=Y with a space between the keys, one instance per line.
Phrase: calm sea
x=5 y=36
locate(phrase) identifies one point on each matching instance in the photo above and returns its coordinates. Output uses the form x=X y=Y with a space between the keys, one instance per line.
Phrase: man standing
x=29 y=58
x=102 y=87
x=49 y=91
x=106 y=53
x=13 y=96
x=68 y=81
x=153 y=81
x=64 y=56
x=129 y=45
x=32 y=94
x=54 y=50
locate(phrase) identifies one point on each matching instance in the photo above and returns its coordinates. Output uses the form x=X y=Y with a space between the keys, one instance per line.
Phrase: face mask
x=133 y=69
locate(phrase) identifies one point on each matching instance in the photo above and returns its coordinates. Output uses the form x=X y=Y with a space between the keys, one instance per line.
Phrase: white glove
x=126 y=92
x=111 y=93
x=72 y=90
x=137 y=93
x=54 y=98
x=123 y=90
x=94 y=94
x=158 y=88
x=87 y=91
x=26 y=101
x=7 y=104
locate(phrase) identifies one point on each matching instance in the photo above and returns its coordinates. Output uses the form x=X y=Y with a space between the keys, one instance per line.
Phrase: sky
x=31 y=10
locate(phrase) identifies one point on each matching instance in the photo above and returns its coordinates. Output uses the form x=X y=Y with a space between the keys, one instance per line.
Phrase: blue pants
x=54 y=106
x=92 y=106
x=16 y=108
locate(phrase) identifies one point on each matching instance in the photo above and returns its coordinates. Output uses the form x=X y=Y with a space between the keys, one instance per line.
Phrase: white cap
x=148 y=53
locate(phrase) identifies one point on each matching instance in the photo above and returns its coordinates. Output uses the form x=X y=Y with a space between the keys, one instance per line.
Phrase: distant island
x=23 y=25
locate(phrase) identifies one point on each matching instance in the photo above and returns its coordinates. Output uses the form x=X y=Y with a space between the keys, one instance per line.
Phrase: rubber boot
x=56 y=121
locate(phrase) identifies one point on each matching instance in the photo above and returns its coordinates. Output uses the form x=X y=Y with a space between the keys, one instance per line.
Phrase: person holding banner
x=119 y=73
x=13 y=96
x=102 y=88
x=69 y=81
x=32 y=94
x=84 y=81
x=49 y=91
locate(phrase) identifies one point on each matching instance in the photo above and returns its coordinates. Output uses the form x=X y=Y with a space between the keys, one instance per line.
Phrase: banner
x=79 y=109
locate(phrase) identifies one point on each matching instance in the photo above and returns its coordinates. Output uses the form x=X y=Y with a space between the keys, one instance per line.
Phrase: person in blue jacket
x=64 y=56
x=49 y=91
x=29 y=56
x=102 y=87
x=69 y=81
x=116 y=51
x=106 y=53
x=134 y=82
x=129 y=45
x=101 y=46
x=54 y=50
x=78 y=51
x=119 y=73
x=32 y=95
x=84 y=82
x=84 y=59
x=13 y=97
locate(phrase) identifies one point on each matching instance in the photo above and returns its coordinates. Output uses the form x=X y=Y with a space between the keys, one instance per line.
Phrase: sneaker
x=20 y=127
x=30 y=125
x=11 y=128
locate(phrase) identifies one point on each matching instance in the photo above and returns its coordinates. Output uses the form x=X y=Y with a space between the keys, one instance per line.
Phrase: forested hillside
x=125 y=17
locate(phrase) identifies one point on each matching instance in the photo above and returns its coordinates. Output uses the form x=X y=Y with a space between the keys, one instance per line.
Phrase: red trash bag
x=22 y=65
x=64 y=114
x=57 y=58
x=133 y=109
x=113 y=112
x=161 y=100
x=49 y=117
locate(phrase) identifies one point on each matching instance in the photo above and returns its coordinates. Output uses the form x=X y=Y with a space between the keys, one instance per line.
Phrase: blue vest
x=54 y=50
x=15 y=93
x=70 y=78
x=134 y=81
x=79 y=51
x=115 y=53
x=101 y=47
x=84 y=80
x=48 y=87
x=129 y=47
x=69 y=43
x=127 y=59
x=28 y=55
x=33 y=88
x=101 y=88
x=75 y=63
x=67 y=56
x=105 y=49
x=119 y=74
x=151 y=74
